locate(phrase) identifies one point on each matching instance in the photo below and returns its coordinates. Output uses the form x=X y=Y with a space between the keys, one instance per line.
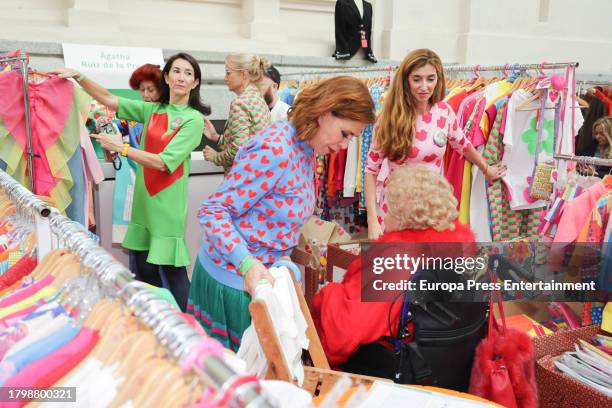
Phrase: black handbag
x=434 y=343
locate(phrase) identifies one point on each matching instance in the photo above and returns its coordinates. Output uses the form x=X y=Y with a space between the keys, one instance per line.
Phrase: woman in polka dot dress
x=414 y=128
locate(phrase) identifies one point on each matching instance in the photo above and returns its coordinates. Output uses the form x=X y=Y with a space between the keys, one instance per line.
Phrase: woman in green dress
x=172 y=130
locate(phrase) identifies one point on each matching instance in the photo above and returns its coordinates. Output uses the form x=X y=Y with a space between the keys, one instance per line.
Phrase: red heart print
x=270 y=212
x=291 y=214
x=283 y=165
x=216 y=230
x=245 y=225
x=237 y=176
x=269 y=173
x=229 y=247
x=240 y=192
x=277 y=150
x=227 y=233
x=441 y=122
x=374 y=155
x=278 y=204
x=248 y=167
x=280 y=224
x=252 y=193
x=261 y=217
x=414 y=152
x=421 y=134
x=427 y=117
x=270 y=225
x=289 y=201
x=236 y=240
x=246 y=205
x=429 y=158
x=252 y=156
x=264 y=160
x=261 y=233
x=264 y=186
x=279 y=235
x=229 y=200
x=258 y=173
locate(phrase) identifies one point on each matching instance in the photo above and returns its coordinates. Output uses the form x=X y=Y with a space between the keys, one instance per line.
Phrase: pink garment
x=91 y=164
x=575 y=212
x=434 y=131
x=45 y=372
x=25 y=293
x=50 y=106
x=12 y=318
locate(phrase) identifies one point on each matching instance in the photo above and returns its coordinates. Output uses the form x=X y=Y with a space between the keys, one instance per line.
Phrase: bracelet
x=247 y=263
x=80 y=77
x=124 y=151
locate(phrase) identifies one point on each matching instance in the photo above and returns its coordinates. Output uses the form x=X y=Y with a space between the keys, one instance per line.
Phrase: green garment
x=159 y=209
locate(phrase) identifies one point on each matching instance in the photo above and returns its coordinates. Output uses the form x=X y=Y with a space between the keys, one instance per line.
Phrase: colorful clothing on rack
x=55 y=121
x=506 y=224
x=434 y=131
x=160 y=198
x=248 y=115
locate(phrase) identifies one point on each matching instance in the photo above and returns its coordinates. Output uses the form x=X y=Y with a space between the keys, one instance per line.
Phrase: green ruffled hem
x=162 y=250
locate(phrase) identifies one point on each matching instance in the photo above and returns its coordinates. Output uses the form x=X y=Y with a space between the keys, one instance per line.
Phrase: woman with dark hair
x=172 y=129
x=255 y=217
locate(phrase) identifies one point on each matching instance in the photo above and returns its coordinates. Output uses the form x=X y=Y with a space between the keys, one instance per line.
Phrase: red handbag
x=504 y=366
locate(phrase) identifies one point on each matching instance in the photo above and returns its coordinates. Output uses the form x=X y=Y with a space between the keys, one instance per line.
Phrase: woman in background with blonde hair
x=248 y=113
x=415 y=127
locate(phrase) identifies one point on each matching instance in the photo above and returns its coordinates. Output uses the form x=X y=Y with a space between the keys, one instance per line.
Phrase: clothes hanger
x=175 y=383
x=135 y=350
x=525 y=105
x=129 y=390
x=157 y=384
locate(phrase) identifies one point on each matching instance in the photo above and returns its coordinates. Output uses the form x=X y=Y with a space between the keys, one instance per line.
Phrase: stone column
x=93 y=14
x=261 y=20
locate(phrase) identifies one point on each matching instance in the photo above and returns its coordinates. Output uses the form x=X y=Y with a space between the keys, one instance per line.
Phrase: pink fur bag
x=504 y=367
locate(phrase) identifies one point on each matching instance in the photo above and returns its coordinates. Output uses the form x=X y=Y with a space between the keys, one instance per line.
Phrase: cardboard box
x=340 y=256
x=311 y=251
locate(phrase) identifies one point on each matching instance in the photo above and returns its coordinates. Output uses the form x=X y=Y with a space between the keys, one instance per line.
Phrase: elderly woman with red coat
x=422 y=209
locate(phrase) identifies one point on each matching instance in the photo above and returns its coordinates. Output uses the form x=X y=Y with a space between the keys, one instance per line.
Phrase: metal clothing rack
x=173 y=332
x=596 y=161
x=447 y=68
x=23 y=58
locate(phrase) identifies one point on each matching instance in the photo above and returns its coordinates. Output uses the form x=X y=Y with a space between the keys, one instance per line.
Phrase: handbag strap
x=500 y=305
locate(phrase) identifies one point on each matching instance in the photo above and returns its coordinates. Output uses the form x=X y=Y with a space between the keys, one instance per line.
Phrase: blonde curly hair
x=420 y=199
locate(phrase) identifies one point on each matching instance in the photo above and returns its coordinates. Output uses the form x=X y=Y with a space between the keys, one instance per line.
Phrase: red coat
x=344 y=322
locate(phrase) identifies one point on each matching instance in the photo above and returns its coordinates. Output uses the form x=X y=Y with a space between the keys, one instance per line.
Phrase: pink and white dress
x=434 y=131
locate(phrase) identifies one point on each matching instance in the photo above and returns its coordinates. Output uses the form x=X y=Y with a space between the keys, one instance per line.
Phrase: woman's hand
x=112 y=143
x=209 y=131
x=256 y=275
x=209 y=153
x=65 y=72
x=374 y=230
x=496 y=171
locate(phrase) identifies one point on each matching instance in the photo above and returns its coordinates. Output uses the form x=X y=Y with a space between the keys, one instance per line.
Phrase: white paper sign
x=111 y=67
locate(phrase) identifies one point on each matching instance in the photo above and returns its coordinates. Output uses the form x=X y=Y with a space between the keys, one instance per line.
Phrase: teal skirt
x=222 y=311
